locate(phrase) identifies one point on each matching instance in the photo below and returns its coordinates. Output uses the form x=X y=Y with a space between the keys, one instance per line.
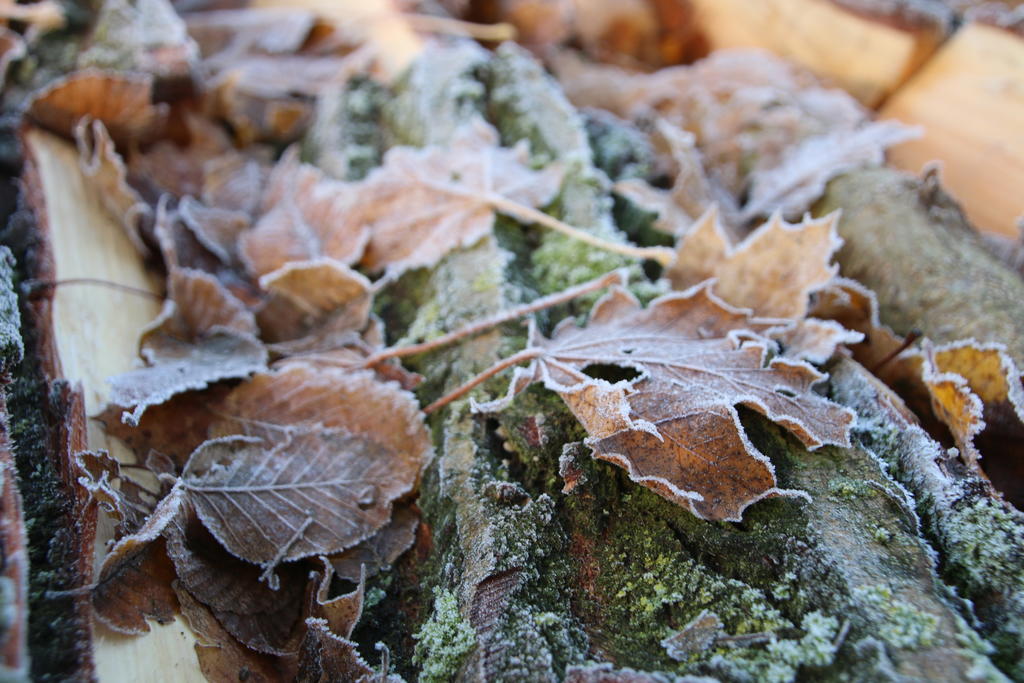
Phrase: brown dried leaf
x=422 y=203
x=128 y=501
x=971 y=387
x=176 y=366
x=746 y=107
x=135 y=578
x=105 y=169
x=263 y=619
x=173 y=428
x=800 y=177
x=325 y=657
x=315 y=306
x=299 y=395
x=304 y=218
x=380 y=550
x=216 y=229
x=675 y=427
x=773 y=271
x=123 y=102
x=816 y=340
x=306 y=493
x=221 y=657
x=855 y=307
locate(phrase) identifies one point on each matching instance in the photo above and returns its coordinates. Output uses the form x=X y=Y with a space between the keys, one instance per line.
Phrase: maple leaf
x=800 y=177
x=772 y=271
x=675 y=427
x=422 y=203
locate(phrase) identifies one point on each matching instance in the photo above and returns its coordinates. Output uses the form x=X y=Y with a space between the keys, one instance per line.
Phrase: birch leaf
x=309 y=493
x=773 y=271
x=422 y=203
x=675 y=427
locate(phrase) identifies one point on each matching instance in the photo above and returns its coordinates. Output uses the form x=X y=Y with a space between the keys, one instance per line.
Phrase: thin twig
x=32 y=285
x=429 y=23
x=662 y=255
x=606 y=280
x=912 y=337
x=515 y=359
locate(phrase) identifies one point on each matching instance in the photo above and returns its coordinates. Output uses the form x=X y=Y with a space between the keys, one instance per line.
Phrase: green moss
x=781 y=660
x=985 y=544
x=618 y=147
x=903 y=624
x=346 y=138
x=444 y=641
x=12 y=349
x=562 y=262
x=847 y=488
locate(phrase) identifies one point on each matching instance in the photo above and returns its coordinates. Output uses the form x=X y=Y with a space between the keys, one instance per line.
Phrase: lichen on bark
x=548 y=580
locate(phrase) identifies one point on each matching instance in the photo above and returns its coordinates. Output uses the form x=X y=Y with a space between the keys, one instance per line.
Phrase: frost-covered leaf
x=773 y=271
x=422 y=203
x=305 y=216
x=106 y=171
x=135 y=576
x=256 y=615
x=382 y=549
x=691 y=195
x=747 y=108
x=315 y=306
x=816 y=340
x=800 y=177
x=971 y=386
x=305 y=493
x=122 y=102
x=176 y=366
x=675 y=426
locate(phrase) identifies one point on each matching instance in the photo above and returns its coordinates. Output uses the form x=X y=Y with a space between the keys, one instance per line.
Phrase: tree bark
x=515 y=579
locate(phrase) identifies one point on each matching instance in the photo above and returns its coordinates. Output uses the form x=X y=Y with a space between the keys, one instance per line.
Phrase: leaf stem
x=662 y=255
x=606 y=280
x=459 y=392
x=31 y=287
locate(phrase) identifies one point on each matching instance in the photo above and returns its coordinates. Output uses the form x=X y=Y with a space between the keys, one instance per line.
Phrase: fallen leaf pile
x=278 y=443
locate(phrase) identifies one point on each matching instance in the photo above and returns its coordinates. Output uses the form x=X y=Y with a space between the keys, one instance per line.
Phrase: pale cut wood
x=970 y=100
x=376 y=22
x=96 y=332
x=867 y=57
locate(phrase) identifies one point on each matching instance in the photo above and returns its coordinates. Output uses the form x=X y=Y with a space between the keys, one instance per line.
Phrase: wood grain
x=867 y=57
x=96 y=333
x=970 y=100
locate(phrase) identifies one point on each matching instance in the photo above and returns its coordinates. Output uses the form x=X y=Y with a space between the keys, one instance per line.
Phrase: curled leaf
x=121 y=101
x=773 y=271
x=675 y=426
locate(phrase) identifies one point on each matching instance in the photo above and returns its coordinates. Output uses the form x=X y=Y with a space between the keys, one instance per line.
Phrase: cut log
x=863 y=47
x=95 y=331
x=970 y=100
